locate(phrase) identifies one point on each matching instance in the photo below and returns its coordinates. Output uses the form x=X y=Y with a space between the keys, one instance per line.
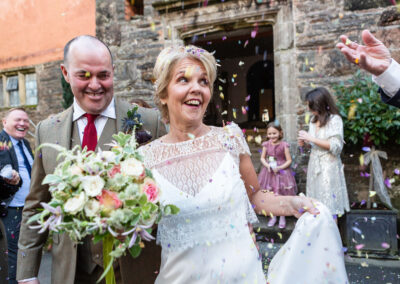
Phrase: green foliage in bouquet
x=109 y=195
x=364 y=113
x=68 y=96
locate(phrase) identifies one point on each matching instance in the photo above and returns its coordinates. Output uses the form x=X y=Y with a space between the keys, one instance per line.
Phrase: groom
x=92 y=120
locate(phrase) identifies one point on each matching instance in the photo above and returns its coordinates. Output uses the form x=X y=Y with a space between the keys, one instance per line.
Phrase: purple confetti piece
x=397 y=171
x=366 y=149
x=387 y=183
x=224 y=38
x=357 y=230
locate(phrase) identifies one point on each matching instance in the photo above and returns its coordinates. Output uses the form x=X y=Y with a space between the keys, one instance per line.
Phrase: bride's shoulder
x=232 y=138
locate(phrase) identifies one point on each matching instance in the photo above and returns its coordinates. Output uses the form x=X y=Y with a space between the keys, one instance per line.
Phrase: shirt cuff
x=389 y=80
x=26 y=280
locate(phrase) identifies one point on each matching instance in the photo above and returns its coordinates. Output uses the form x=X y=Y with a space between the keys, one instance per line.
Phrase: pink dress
x=282 y=182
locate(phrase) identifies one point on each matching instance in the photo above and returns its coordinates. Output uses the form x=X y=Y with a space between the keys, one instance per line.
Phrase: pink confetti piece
x=247 y=98
x=385 y=245
x=224 y=38
x=253 y=33
x=246 y=43
x=360 y=246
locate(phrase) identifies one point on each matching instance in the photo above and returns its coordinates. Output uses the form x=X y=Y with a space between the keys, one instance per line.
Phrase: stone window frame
x=22 y=94
x=213 y=18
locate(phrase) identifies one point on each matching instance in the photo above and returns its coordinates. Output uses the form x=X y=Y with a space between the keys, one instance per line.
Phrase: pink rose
x=109 y=201
x=115 y=170
x=151 y=190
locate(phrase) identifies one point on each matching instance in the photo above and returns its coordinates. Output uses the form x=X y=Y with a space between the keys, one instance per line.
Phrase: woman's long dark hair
x=321 y=101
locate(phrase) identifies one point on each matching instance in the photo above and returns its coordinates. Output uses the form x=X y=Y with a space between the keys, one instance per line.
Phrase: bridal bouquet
x=109 y=195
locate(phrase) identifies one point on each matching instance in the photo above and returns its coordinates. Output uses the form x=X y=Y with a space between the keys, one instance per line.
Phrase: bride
x=207 y=172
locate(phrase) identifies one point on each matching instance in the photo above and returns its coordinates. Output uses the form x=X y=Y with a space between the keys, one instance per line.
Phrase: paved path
x=359 y=270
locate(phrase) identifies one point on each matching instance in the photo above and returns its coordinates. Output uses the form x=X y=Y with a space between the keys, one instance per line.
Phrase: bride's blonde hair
x=167 y=60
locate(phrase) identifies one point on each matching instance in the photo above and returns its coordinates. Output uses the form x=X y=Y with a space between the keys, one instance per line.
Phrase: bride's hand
x=301 y=204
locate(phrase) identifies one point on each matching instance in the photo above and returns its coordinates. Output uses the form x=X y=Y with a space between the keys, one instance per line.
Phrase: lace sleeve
x=238 y=142
x=335 y=134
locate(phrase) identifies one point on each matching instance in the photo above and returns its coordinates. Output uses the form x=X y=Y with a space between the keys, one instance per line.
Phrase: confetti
x=258 y=139
x=234 y=113
x=359 y=100
x=253 y=33
x=361 y=160
x=356 y=61
x=224 y=38
x=153 y=26
x=372 y=193
x=385 y=245
x=221 y=95
x=189 y=71
x=364 y=264
x=348 y=42
x=247 y=98
x=397 y=171
x=224 y=112
x=340 y=16
x=244 y=111
x=388 y=183
x=191 y=136
x=241 y=63
x=360 y=246
x=307 y=117
x=234 y=75
x=366 y=149
x=246 y=43
x=352 y=111
x=250 y=138
x=87 y=74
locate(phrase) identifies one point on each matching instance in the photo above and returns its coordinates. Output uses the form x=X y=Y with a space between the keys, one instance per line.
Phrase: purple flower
x=139 y=230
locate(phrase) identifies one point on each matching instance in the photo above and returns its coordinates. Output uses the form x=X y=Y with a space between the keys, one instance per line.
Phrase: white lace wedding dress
x=209 y=240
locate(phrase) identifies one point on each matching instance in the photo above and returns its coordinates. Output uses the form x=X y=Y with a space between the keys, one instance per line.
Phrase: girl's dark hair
x=321 y=101
x=275 y=125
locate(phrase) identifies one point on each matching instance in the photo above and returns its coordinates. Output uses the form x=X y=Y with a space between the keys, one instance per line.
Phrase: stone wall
x=48 y=76
x=305 y=35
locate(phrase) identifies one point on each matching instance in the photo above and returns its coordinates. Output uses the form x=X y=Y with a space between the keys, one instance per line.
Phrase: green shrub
x=371 y=115
x=68 y=96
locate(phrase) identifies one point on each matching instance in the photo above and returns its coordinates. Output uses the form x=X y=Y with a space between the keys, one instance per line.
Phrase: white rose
x=92 y=208
x=75 y=204
x=132 y=167
x=108 y=156
x=75 y=170
x=92 y=185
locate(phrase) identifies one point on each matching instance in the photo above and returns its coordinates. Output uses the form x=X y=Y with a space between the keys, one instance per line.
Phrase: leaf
x=52 y=179
x=171 y=209
x=135 y=250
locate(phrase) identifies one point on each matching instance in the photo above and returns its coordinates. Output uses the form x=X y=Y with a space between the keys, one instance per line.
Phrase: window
x=18 y=88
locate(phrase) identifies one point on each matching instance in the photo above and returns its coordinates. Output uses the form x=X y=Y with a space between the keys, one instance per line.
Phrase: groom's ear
x=64 y=72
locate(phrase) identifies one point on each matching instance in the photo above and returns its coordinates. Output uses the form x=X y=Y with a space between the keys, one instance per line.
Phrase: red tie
x=90 y=133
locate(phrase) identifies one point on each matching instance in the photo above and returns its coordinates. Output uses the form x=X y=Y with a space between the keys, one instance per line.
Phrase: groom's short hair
x=68 y=45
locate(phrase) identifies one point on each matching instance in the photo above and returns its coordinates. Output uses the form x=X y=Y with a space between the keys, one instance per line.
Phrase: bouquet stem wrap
x=108 y=260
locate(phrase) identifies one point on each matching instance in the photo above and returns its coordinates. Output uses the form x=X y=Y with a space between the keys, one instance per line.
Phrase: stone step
x=273 y=234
